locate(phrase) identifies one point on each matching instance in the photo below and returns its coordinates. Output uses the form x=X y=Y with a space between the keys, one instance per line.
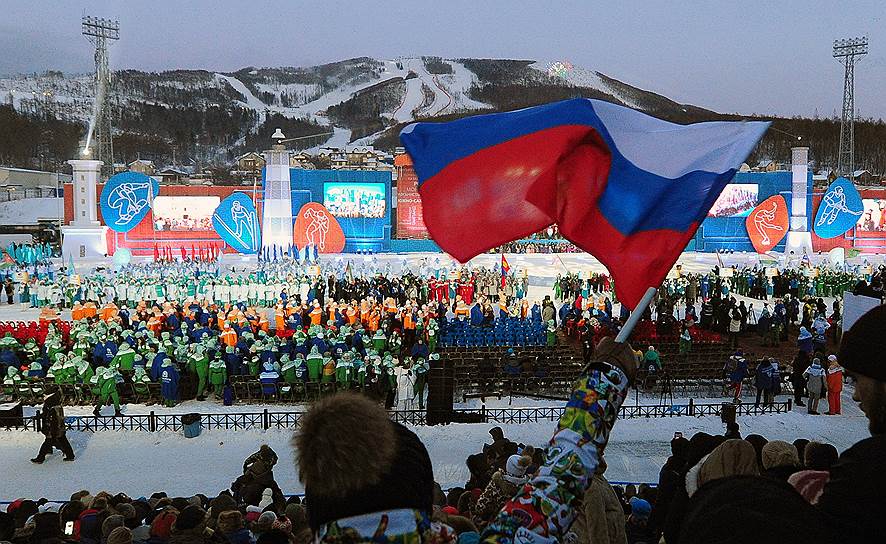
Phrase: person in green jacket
x=107 y=385
x=124 y=360
x=140 y=381
x=315 y=365
x=379 y=341
x=651 y=358
x=420 y=372
x=198 y=363
x=343 y=369
x=288 y=369
x=11 y=381
x=84 y=371
x=552 y=333
x=218 y=376
x=432 y=335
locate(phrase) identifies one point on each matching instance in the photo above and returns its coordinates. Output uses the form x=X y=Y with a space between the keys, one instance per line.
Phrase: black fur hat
x=352 y=460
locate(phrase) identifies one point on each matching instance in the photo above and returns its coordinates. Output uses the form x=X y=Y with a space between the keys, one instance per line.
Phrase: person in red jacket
x=835 y=385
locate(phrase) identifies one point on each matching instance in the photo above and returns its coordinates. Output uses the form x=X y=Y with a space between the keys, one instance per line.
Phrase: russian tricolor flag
x=626 y=187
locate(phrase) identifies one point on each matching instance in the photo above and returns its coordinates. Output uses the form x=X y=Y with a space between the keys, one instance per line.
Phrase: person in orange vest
x=316 y=314
x=279 y=319
x=228 y=337
x=48 y=315
x=89 y=310
x=77 y=312
x=374 y=320
x=408 y=319
x=351 y=314
x=109 y=311
x=155 y=323
x=364 y=311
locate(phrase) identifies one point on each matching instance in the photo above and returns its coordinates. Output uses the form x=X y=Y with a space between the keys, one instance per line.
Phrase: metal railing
x=266 y=419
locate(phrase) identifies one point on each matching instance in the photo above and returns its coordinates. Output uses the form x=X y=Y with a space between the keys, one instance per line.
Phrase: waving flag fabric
x=505 y=270
x=626 y=187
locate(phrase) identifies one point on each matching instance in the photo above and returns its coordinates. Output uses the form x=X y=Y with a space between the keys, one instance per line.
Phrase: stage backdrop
x=725 y=227
x=360 y=200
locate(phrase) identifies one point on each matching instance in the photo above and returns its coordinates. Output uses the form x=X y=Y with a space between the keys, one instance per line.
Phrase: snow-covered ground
x=140 y=463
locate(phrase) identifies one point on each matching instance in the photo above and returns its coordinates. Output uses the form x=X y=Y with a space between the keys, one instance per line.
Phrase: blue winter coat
x=169 y=382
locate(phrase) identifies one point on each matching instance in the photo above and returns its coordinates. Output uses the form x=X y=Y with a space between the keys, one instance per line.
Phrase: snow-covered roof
x=860 y=172
x=142 y=161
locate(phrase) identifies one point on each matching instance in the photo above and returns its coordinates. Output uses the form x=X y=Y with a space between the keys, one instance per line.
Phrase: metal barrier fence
x=266 y=419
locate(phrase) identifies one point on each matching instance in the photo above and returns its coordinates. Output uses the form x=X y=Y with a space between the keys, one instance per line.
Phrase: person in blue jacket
x=357 y=343
x=535 y=313
x=169 y=382
x=156 y=365
x=804 y=341
x=419 y=350
x=761 y=379
x=232 y=361
x=476 y=315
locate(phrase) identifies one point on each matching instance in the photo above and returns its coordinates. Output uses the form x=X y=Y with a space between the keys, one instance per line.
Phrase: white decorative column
x=277 y=203
x=85 y=236
x=799 y=238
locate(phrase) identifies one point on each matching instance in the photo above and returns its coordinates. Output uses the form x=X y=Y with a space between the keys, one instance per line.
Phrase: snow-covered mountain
x=358 y=99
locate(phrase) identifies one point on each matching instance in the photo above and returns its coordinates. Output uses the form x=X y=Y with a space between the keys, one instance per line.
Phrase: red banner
x=410 y=222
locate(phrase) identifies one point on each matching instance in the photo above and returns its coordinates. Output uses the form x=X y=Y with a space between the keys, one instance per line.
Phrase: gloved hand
x=618 y=354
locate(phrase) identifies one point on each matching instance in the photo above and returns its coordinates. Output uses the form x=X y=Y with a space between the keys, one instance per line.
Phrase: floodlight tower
x=848 y=52
x=98 y=32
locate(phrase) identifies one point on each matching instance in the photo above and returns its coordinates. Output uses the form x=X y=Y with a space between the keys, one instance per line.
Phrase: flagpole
x=632 y=321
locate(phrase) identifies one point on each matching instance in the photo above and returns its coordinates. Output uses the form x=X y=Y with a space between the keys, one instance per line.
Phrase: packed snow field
x=140 y=463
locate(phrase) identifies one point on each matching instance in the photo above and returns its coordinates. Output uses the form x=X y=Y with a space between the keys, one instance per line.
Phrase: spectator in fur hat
x=853 y=495
x=190 y=527
x=230 y=525
x=361 y=466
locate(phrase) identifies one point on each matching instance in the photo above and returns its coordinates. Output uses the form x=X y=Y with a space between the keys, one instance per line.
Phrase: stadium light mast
x=99 y=31
x=848 y=52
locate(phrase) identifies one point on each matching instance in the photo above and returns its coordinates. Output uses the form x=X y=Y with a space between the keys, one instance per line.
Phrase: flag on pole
x=505 y=269
x=626 y=187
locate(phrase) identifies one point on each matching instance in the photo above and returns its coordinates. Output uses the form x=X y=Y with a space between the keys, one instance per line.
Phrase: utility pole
x=848 y=52
x=98 y=32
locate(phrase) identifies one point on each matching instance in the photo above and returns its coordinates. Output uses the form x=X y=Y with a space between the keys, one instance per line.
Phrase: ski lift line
x=772 y=127
x=283 y=141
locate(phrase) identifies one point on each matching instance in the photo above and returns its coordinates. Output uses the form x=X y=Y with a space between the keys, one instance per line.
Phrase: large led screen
x=184 y=213
x=355 y=199
x=873 y=218
x=736 y=200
